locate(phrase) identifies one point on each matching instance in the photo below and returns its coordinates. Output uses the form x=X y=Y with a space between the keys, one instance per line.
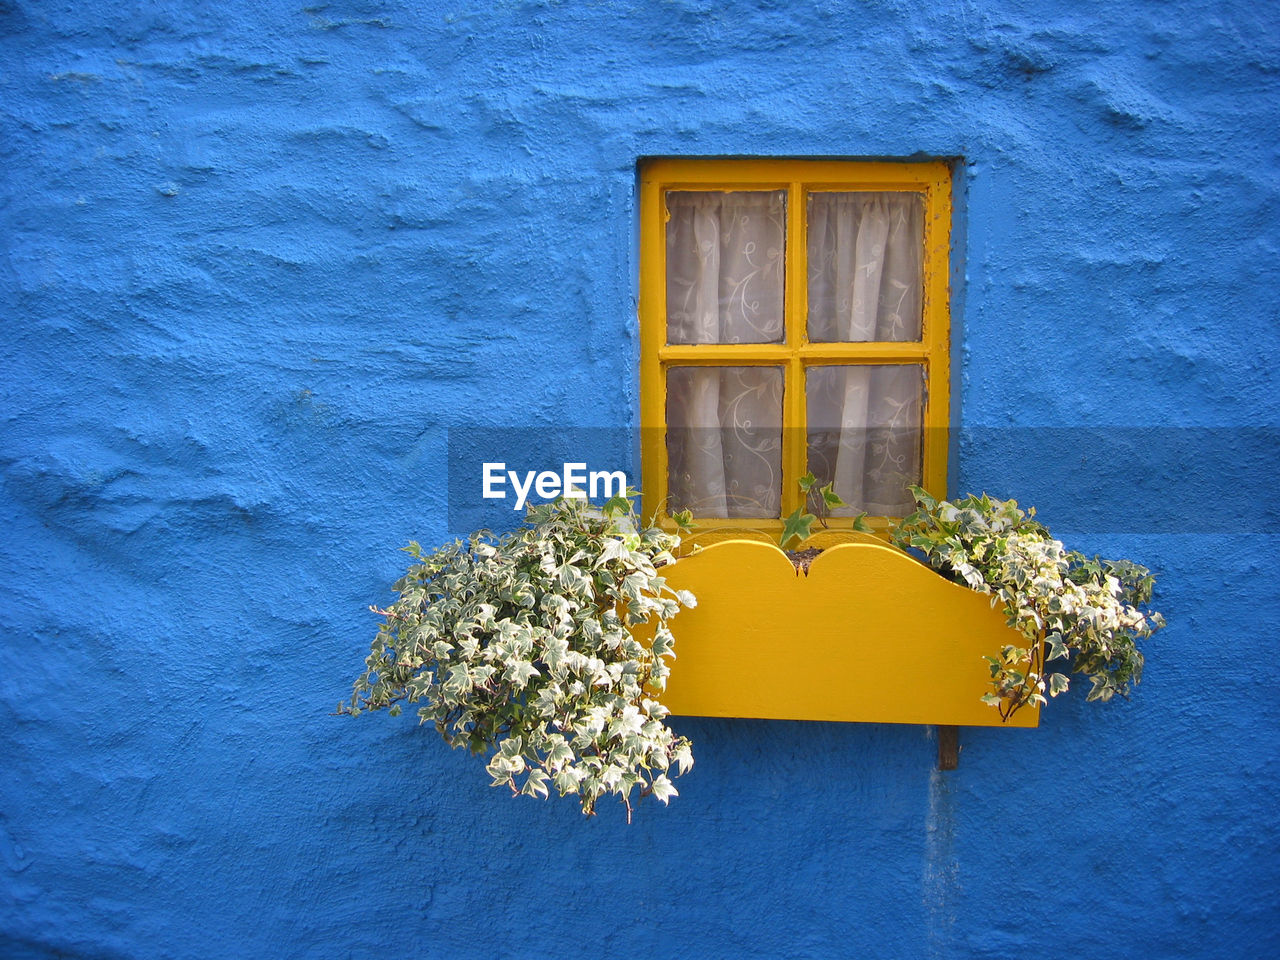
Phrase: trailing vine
x=522 y=647
x=1067 y=607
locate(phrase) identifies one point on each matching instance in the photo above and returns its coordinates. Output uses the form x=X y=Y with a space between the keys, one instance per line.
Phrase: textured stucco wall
x=259 y=256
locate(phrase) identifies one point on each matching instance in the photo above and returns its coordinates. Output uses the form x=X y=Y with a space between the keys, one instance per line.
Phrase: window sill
x=869 y=634
x=708 y=532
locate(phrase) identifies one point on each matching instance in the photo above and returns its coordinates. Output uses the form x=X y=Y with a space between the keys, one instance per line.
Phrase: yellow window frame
x=931 y=179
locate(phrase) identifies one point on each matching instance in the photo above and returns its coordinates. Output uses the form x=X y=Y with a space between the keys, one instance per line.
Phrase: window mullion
x=796 y=299
x=867 y=352
x=653 y=376
x=723 y=354
x=936 y=333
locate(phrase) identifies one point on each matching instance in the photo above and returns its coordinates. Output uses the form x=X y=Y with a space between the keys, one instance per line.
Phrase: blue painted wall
x=258 y=257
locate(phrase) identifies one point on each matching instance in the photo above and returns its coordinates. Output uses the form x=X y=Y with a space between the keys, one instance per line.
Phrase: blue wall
x=259 y=257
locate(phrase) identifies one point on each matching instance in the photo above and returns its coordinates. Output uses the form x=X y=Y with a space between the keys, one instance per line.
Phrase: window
x=793 y=319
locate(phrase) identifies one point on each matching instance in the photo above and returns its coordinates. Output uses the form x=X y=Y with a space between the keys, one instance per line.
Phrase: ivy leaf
x=614 y=549
x=615 y=506
x=559 y=753
x=860 y=523
x=519 y=672
x=830 y=498
x=923 y=498
x=683 y=758
x=1057 y=649
x=663 y=789
x=536 y=785
x=683 y=521
x=567 y=779
x=799 y=526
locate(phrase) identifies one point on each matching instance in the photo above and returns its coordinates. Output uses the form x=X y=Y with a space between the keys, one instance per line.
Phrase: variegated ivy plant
x=522 y=647
x=1063 y=603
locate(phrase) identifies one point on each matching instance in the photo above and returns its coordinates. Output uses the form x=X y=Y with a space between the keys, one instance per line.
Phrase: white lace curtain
x=724 y=285
x=865 y=284
x=725 y=270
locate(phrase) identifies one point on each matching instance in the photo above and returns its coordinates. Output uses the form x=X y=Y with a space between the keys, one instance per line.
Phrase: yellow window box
x=869 y=634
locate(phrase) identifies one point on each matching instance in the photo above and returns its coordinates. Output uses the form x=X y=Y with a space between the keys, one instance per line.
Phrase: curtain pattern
x=725 y=270
x=725 y=266
x=865 y=284
x=864 y=434
x=865 y=270
x=724 y=440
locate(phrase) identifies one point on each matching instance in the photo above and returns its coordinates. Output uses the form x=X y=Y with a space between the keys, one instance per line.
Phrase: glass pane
x=724 y=441
x=865 y=273
x=725 y=266
x=865 y=434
